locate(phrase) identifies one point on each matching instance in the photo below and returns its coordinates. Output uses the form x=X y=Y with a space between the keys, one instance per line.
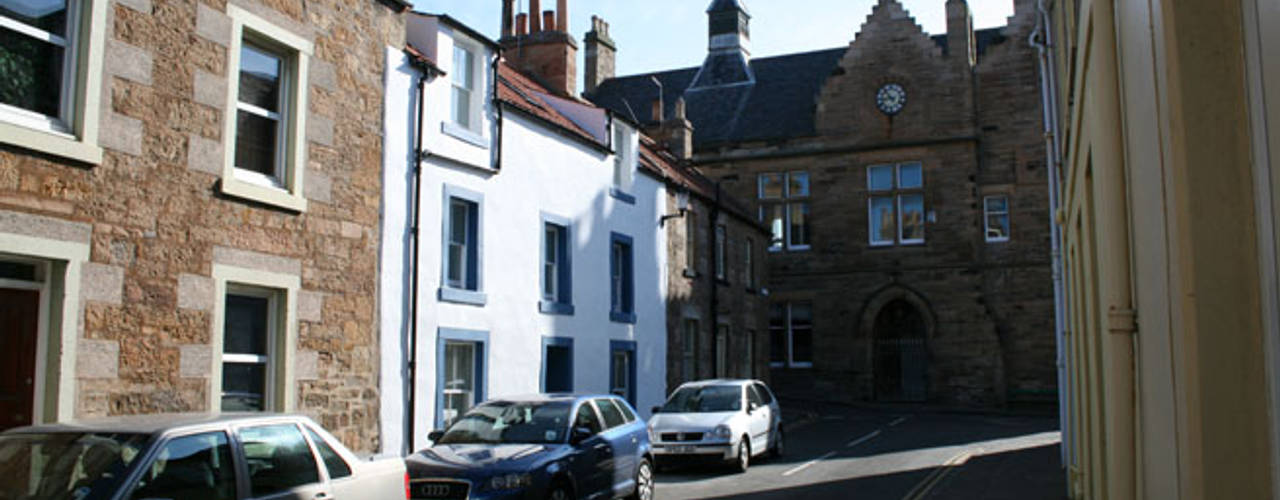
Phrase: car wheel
x=644 y=482
x=744 y=456
x=560 y=492
x=778 y=444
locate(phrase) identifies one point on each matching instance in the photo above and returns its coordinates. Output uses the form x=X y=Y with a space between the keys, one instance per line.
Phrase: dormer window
x=624 y=162
x=464 y=87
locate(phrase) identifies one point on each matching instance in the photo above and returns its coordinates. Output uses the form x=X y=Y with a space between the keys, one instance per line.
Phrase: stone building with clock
x=904 y=179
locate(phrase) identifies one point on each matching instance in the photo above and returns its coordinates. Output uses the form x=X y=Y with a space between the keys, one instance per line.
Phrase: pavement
x=843 y=452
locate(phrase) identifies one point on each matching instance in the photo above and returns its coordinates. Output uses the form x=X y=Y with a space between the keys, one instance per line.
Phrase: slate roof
x=781 y=103
x=723 y=5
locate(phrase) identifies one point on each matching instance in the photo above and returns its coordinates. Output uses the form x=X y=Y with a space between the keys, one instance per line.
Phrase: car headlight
x=722 y=431
x=653 y=436
x=511 y=481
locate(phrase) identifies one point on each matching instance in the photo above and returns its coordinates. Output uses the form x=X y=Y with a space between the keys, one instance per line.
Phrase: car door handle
x=321 y=495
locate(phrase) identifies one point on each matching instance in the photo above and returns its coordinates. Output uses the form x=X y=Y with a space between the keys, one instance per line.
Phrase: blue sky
x=657 y=35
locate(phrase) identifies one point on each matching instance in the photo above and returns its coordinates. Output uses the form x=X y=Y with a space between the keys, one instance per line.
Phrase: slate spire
x=728 y=45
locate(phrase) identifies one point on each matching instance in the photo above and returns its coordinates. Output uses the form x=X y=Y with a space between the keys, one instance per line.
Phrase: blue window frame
x=556 y=266
x=621 y=279
x=462 y=270
x=557 y=364
x=460 y=372
x=622 y=369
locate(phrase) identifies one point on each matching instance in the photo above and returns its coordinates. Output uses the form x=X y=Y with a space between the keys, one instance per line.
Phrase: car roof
x=553 y=397
x=154 y=423
x=720 y=381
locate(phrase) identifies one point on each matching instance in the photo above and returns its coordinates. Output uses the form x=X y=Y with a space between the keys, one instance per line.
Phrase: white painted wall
x=542 y=172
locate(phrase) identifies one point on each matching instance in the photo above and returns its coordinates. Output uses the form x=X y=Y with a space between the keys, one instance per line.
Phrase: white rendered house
x=539 y=264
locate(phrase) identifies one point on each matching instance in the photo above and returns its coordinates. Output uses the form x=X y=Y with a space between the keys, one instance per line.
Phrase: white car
x=722 y=420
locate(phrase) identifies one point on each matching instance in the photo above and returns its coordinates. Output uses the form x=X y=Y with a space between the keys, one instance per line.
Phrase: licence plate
x=682 y=449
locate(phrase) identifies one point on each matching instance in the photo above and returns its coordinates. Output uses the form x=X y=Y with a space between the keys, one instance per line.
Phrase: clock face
x=891 y=98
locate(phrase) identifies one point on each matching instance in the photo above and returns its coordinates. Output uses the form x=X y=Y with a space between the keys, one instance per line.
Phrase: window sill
x=621 y=196
x=468 y=297
x=619 y=317
x=262 y=194
x=997 y=240
x=51 y=143
x=689 y=273
x=555 y=308
x=464 y=135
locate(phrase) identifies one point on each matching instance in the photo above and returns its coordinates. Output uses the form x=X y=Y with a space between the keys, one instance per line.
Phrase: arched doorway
x=901 y=356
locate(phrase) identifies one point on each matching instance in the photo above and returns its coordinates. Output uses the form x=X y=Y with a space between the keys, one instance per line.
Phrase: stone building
x=189 y=209
x=903 y=178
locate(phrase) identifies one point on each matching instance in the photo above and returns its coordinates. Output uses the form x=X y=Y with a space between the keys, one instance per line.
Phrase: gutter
x=817 y=150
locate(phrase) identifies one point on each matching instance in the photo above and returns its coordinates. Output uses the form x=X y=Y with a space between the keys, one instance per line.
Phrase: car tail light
x=406 y=486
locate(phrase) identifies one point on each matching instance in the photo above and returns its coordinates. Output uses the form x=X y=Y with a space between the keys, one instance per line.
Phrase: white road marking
x=898 y=421
x=808 y=464
x=862 y=439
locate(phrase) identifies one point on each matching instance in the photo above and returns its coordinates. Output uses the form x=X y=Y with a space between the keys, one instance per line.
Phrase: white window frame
x=286 y=286
x=474 y=93
x=551 y=261
x=285 y=191
x=987 y=212
x=273 y=336
x=624 y=158
x=785 y=201
x=895 y=193
x=74 y=132
x=464 y=245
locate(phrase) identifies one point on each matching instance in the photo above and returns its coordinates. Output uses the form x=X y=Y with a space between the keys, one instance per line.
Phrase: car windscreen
x=511 y=422
x=65 y=465
x=705 y=399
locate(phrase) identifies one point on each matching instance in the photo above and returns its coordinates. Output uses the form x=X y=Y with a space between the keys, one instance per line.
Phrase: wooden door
x=19 y=315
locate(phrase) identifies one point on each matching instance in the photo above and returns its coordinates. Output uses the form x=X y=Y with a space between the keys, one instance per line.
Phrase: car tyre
x=744 y=457
x=644 y=481
x=778 y=445
x=560 y=492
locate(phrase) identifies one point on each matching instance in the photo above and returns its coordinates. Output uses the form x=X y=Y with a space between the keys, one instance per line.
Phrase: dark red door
x=19 y=311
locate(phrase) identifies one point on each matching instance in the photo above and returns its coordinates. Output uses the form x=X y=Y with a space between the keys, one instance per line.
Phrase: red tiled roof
x=525 y=94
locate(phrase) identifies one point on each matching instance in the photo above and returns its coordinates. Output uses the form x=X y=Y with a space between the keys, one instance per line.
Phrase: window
x=624 y=161
x=625 y=409
x=791 y=335
x=557 y=364
x=749 y=264
x=458 y=387
x=251 y=323
x=621 y=280
x=196 y=466
x=784 y=207
x=996 y=217
x=720 y=251
x=765 y=395
x=749 y=367
x=691 y=246
x=689 y=351
x=557 y=278
x=622 y=370
x=895 y=206
x=333 y=463
x=464 y=85
x=51 y=62
x=267 y=93
x=279 y=459
x=587 y=418
x=612 y=415
x=463 y=237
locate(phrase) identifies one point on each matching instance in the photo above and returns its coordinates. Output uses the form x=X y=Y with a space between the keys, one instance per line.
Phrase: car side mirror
x=752 y=407
x=657 y=409
x=434 y=436
x=579 y=434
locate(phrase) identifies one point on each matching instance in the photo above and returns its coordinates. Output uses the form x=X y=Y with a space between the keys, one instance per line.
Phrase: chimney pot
x=535 y=22
x=508 y=29
x=657 y=111
x=522 y=24
x=562 y=8
x=548 y=20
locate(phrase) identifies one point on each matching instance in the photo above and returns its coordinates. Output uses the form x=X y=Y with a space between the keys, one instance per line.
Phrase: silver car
x=717 y=420
x=190 y=457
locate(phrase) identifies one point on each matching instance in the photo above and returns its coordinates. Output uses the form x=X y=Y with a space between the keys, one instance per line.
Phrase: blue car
x=555 y=447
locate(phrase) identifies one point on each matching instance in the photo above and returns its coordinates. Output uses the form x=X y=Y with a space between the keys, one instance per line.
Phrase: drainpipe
x=1115 y=289
x=418 y=156
x=1042 y=40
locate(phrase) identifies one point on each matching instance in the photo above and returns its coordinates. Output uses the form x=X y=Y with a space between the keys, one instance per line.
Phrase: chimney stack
x=960 y=42
x=677 y=132
x=602 y=54
x=545 y=52
x=656 y=110
x=535 y=8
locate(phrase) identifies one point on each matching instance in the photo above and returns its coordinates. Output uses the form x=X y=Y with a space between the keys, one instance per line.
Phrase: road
x=865 y=454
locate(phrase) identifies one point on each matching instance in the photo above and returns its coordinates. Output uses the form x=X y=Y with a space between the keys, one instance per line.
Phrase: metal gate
x=901 y=355
x=902 y=367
